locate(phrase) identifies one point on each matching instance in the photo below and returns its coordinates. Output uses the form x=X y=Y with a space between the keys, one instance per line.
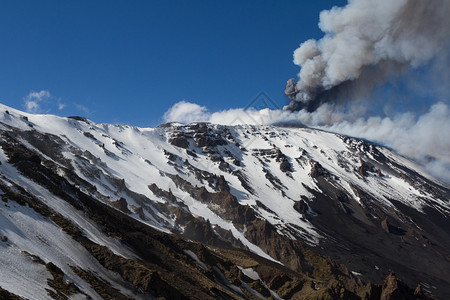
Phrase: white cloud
x=423 y=138
x=84 y=109
x=186 y=112
x=33 y=99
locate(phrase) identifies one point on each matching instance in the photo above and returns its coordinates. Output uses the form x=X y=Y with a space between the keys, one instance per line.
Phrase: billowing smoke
x=367 y=43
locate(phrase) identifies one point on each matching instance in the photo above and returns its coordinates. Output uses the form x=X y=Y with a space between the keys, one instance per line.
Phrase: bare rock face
x=140 y=213
x=167 y=195
x=379 y=173
x=390 y=228
x=122 y=205
x=385 y=225
x=393 y=288
x=301 y=206
x=365 y=167
x=205 y=138
x=317 y=170
x=264 y=234
x=180 y=141
x=222 y=184
x=285 y=166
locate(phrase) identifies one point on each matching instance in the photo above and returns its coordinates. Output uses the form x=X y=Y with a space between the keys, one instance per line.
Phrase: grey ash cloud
x=367 y=43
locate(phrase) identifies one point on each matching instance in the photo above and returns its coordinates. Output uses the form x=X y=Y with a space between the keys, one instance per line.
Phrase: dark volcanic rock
x=389 y=228
x=394 y=289
x=222 y=184
x=301 y=206
x=285 y=166
x=317 y=170
x=379 y=173
x=170 y=156
x=365 y=167
x=122 y=205
x=161 y=193
x=180 y=141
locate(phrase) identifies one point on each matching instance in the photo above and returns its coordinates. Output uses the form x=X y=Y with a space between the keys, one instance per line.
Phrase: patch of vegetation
x=321 y=268
x=7 y=295
x=101 y=286
x=33 y=257
x=62 y=289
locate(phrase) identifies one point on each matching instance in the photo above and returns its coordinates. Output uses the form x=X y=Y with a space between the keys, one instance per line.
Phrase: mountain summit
x=209 y=211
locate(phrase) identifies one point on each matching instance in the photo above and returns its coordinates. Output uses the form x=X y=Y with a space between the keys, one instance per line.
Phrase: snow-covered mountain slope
x=277 y=192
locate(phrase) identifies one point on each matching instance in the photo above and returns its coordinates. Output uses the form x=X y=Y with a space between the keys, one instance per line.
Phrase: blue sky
x=130 y=61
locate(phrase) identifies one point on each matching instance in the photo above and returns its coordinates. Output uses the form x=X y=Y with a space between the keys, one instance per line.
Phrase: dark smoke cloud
x=367 y=43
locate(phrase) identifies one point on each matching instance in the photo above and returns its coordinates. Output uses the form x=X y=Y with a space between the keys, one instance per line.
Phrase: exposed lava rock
x=393 y=288
x=6 y=295
x=163 y=194
x=317 y=170
x=285 y=166
x=191 y=153
x=78 y=118
x=302 y=207
x=389 y=228
x=406 y=178
x=274 y=180
x=223 y=203
x=180 y=141
x=140 y=213
x=243 y=179
x=170 y=156
x=204 y=138
x=61 y=287
x=218 y=183
x=379 y=173
x=222 y=184
x=365 y=167
x=89 y=135
x=121 y=204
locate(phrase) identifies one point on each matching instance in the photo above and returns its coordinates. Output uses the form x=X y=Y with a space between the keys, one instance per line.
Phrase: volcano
x=102 y=211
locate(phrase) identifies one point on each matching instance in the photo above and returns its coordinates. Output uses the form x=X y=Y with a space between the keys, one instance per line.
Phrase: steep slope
x=284 y=194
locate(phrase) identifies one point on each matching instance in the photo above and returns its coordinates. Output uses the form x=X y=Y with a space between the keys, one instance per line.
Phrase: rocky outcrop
x=122 y=205
x=394 y=289
x=205 y=138
x=389 y=228
x=6 y=295
x=170 y=156
x=218 y=183
x=179 y=141
x=223 y=203
x=243 y=179
x=162 y=194
x=317 y=170
x=302 y=207
x=285 y=165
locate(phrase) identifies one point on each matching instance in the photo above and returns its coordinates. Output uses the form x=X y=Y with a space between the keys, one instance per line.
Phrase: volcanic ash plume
x=365 y=43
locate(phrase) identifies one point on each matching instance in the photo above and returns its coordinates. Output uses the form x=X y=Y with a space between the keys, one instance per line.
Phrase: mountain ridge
x=281 y=193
